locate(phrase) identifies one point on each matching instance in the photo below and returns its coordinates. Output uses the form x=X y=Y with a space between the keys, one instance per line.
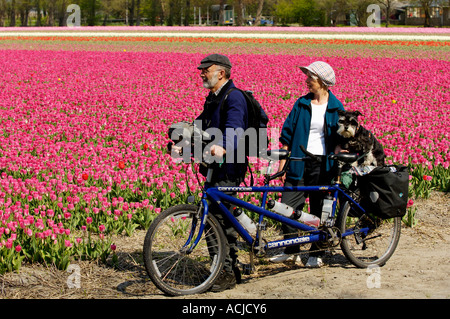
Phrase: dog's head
x=348 y=123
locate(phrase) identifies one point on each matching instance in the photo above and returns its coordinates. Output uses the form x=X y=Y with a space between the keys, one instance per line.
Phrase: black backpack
x=257 y=120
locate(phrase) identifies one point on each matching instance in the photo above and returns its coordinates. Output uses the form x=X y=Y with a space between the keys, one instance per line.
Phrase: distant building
x=413 y=14
x=408 y=13
x=228 y=14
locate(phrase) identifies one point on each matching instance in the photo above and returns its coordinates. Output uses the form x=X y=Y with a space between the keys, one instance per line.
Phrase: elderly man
x=227 y=115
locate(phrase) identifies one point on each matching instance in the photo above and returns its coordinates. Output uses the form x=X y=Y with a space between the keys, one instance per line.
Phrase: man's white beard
x=209 y=84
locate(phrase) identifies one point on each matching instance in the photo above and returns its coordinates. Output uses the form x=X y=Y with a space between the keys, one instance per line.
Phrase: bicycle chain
x=328 y=247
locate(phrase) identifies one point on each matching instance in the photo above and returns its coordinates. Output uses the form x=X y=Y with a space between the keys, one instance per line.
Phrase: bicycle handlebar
x=190 y=133
x=313 y=157
x=342 y=158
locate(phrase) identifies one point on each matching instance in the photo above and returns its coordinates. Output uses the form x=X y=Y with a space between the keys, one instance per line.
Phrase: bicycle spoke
x=374 y=246
x=173 y=263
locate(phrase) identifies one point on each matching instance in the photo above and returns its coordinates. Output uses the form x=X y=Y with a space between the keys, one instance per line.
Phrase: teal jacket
x=295 y=131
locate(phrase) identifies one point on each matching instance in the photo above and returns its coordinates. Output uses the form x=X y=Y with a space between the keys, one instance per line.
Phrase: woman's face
x=313 y=84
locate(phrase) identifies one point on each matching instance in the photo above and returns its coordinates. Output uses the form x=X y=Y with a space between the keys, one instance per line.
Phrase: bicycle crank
x=334 y=238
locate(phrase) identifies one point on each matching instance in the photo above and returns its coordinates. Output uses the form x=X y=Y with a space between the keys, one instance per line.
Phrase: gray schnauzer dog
x=357 y=139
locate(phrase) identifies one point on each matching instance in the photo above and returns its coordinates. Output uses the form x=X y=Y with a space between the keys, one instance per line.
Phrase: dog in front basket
x=356 y=139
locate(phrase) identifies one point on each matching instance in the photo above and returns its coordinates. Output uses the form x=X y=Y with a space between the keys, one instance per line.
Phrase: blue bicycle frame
x=217 y=195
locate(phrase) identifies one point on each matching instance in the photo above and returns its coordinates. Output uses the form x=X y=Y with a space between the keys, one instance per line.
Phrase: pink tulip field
x=84 y=123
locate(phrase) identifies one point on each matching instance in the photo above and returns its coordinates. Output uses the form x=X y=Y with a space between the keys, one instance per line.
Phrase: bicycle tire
x=169 y=267
x=376 y=247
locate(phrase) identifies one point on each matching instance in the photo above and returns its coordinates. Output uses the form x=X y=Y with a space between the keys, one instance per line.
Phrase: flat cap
x=215 y=58
x=323 y=70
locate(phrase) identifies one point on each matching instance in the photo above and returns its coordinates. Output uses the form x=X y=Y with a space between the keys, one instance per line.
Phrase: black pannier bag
x=384 y=191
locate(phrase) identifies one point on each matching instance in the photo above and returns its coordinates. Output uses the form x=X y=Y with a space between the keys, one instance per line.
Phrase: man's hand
x=177 y=150
x=217 y=150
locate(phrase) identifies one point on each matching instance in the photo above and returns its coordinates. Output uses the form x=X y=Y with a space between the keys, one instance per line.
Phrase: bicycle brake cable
x=187 y=180
x=196 y=175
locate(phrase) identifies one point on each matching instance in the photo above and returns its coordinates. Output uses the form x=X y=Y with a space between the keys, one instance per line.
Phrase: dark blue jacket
x=233 y=114
x=295 y=131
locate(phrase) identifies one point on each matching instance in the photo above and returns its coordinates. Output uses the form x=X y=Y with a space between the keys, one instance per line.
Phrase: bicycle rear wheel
x=170 y=267
x=367 y=248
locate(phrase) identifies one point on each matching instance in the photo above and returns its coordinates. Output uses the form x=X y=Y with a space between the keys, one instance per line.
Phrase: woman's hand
x=283 y=178
x=281 y=166
x=338 y=150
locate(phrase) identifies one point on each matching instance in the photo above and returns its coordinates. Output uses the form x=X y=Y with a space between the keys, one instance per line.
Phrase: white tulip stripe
x=388 y=37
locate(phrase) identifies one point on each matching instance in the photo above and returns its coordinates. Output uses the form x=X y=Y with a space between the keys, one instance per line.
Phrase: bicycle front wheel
x=171 y=266
x=367 y=248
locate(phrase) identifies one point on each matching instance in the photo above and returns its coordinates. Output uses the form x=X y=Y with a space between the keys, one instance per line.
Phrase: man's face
x=210 y=76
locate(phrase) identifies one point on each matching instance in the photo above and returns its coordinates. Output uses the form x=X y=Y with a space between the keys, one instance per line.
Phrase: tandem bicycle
x=185 y=246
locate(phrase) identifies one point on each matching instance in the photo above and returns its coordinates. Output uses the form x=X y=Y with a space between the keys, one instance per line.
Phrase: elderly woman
x=312 y=123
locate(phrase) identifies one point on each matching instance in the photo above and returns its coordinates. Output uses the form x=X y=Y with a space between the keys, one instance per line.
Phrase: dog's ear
x=341 y=112
x=357 y=113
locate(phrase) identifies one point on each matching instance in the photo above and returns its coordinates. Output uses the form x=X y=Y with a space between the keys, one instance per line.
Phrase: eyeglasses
x=206 y=71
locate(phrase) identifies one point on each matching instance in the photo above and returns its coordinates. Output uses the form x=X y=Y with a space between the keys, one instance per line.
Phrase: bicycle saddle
x=277 y=154
x=345 y=157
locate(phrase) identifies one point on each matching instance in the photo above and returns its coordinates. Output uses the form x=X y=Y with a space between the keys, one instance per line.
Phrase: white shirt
x=316 y=140
x=220 y=89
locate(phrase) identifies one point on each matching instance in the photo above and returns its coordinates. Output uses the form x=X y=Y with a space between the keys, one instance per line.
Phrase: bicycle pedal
x=358 y=237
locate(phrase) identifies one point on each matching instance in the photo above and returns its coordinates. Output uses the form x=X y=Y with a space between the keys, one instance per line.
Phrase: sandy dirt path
x=419 y=269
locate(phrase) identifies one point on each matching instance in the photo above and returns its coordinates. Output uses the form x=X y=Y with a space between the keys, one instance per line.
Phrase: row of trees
x=103 y=12
x=186 y=12
x=327 y=12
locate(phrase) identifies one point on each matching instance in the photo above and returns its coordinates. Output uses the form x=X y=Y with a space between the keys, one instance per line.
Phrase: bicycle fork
x=188 y=247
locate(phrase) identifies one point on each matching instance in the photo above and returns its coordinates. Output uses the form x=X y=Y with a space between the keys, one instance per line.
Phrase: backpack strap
x=222 y=102
x=225 y=98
